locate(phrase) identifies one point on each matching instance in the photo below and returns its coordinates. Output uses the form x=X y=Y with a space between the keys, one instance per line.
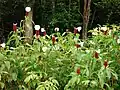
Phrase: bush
x=66 y=64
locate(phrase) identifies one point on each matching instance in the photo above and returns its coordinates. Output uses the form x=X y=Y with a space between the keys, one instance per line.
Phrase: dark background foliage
x=61 y=13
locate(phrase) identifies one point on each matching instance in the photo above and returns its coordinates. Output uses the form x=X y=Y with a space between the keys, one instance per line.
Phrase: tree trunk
x=86 y=15
x=29 y=28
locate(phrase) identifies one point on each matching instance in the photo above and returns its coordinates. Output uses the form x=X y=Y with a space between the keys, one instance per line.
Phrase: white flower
x=19 y=37
x=92 y=42
x=87 y=51
x=56 y=37
x=104 y=28
x=28 y=9
x=110 y=32
x=67 y=30
x=15 y=24
x=56 y=29
x=81 y=44
x=98 y=51
x=37 y=27
x=79 y=29
x=75 y=39
x=44 y=49
x=118 y=41
x=95 y=31
x=2 y=45
x=12 y=48
x=42 y=30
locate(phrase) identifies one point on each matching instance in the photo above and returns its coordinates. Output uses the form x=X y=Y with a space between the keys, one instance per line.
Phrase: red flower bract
x=37 y=32
x=78 y=71
x=105 y=63
x=15 y=27
x=105 y=32
x=75 y=31
x=77 y=45
x=96 y=55
x=27 y=13
x=53 y=40
x=44 y=33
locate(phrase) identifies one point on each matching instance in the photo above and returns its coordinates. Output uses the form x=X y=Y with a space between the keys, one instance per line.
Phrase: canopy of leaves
x=62 y=13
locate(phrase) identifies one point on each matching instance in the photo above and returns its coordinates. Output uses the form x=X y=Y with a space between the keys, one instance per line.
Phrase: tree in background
x=28 y=21
x=62 y=13
x=86 y=15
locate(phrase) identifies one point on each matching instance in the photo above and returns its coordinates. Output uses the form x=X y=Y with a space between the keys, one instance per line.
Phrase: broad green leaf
x=101 y=80
x=27 y=79
x=21 y=64
x=115 y=75
x=87 y=71
x=7 y=64
x=78 y=80
x=73 y=80
x=14 y=76
x=86 y=82
x=93 y=83
x=40 y=87
x=108 y=73
x=2 y=85
x=55 y=82
x=2 y=56
x=0 y=77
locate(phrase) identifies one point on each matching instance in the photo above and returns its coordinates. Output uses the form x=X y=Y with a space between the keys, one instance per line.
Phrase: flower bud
x=77 y=45
x=14 y=27
x=56 y=29
x=37 y=32
x=53 y=39
x=79 y=29
x=27 y=9
x=105 y=63
x=96 y=55
x=78 y=71
x=75 y=31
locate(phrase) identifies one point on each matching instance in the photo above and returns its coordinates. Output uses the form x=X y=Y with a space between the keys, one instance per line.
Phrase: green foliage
x=44 y=66
x=67 y=16
x=109 y=9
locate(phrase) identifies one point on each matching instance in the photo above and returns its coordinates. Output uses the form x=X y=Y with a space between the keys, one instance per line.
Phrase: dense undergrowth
x=68 y=64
